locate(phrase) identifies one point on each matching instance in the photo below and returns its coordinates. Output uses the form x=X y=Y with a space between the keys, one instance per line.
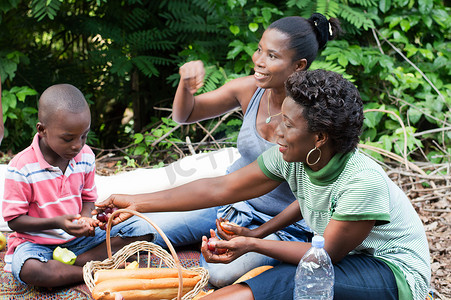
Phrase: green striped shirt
x=352 y=187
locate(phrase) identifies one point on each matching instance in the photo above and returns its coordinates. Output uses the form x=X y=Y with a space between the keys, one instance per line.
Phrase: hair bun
x=323 y=28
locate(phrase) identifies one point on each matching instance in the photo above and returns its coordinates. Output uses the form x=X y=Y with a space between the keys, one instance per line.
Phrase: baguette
x=164 y=288
x=154 y=294
x=141 y=273
x=252 y=273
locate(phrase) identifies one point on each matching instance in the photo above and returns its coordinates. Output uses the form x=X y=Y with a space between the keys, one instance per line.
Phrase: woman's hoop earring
x=308 y=156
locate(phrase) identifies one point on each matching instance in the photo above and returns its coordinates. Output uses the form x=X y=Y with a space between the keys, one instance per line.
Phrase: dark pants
x=356 y=277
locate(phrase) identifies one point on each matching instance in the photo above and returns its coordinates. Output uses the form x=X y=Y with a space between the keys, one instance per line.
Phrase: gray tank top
x=250 y=145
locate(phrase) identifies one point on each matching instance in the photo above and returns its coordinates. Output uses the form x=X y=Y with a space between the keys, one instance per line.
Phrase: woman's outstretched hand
x=116 y=201
x=192 y=74
x=228 y=250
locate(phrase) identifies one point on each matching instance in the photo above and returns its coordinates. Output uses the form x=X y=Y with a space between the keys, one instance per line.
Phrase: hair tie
x=330 y=28
x=322 y=27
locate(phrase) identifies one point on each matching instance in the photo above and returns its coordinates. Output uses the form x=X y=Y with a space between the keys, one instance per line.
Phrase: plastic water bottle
x=315 y=274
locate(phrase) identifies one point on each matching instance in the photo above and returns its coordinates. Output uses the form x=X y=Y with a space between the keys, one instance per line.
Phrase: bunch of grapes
x=106 y=214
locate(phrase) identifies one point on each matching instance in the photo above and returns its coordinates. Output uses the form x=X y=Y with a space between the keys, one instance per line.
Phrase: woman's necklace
x=268 y=119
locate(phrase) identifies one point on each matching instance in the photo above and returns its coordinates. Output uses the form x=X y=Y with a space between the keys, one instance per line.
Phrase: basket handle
x=168 y=243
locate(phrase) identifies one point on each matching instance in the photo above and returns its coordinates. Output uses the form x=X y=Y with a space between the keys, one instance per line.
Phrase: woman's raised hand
x=192 y=74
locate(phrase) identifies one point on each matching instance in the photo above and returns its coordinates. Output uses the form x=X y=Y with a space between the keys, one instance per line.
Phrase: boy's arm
x=25 y=223
x=87 y=208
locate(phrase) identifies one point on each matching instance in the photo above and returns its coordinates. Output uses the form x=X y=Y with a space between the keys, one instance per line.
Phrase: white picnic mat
x=138 y=181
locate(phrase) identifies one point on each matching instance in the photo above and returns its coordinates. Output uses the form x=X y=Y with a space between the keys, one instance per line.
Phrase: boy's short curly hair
x=331 y=105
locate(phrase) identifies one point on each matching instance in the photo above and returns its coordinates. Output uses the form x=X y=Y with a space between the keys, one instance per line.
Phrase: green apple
x=2 y=241
x=64 y=255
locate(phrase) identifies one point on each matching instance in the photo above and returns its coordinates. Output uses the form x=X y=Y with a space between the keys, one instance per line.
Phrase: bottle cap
x=318 y=241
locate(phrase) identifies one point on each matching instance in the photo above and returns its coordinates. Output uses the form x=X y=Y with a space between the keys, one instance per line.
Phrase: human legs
x=231 y=292
x=33 y=263
x=183 y=228
x=356 y=277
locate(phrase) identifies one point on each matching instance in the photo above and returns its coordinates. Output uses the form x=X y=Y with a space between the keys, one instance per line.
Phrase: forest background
x=124 y=56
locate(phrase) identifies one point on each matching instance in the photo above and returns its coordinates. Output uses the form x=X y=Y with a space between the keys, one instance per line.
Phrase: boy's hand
x=73 y=226
x=92 y=224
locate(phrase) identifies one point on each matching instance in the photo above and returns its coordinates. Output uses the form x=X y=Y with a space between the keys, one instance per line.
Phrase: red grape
x=213 y=248
x=210 y=245
x=106 y=214
x=102 y=217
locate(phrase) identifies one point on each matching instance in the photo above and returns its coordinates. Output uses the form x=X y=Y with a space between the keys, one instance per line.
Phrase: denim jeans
x=356 y=277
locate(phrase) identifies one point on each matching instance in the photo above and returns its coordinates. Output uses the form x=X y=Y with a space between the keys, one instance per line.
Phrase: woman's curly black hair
x=331 y=105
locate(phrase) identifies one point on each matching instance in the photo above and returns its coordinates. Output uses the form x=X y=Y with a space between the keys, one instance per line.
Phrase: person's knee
x=33 y=272
x=220 y=277
x=221 y=274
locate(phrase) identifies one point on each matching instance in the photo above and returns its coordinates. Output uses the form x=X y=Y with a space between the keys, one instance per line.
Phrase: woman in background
x=289 y=44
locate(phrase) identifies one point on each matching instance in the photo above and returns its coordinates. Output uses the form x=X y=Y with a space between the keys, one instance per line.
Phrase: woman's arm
x=291 y=214
x=288 y=216
x=341 y=237
x=188 y=108
x=245 y=183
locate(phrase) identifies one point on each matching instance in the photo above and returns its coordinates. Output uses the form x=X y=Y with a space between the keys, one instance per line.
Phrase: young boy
x=50 y=193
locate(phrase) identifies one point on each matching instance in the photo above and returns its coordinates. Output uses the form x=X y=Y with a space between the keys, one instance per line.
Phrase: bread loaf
x=154 y=294
x=159 y=288
x=141 y=273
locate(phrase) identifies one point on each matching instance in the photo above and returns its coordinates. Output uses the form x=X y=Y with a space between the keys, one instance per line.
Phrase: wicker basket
x=120 y=257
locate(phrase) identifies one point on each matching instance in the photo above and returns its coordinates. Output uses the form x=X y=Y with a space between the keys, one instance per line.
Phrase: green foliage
x=48 y=8
x=19 y=108
x=229 y=130
x=144 y=142
x=126 y=54
x=19 y=116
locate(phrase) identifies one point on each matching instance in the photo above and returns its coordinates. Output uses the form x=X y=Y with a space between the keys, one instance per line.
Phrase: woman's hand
x=235 y=248
x=192 y=74
x=116 y=201
x=228 y=231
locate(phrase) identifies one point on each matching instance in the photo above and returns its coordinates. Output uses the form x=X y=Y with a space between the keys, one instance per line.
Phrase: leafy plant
x=123 y=54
